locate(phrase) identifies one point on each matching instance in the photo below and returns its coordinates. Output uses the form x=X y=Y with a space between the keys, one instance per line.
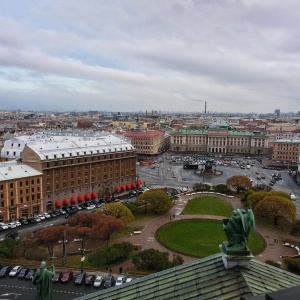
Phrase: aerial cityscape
x=149 y=150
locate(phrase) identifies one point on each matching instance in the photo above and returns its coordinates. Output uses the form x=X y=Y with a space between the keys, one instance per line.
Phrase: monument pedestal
x=235 y=256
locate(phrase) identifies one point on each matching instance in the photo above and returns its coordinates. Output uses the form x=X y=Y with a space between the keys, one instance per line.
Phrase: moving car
x=109 y=281
x=15 y=271
x=89 y=280
x=67 y=277
x=23 y=273
x=80 y=278
x=57 y=277
x=98 y=281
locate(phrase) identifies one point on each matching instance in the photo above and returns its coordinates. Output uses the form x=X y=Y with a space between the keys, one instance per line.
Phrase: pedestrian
x=170 y=217
x=275 y=240
x=173 y=216
x=121 y=270
x=106 y=270
x=110 y=271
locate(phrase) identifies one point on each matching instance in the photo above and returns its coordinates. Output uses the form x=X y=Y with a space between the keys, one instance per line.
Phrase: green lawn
x=200 y=238
x=208 y=205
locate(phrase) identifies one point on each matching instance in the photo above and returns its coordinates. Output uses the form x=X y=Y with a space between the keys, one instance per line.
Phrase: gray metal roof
x=203 y=279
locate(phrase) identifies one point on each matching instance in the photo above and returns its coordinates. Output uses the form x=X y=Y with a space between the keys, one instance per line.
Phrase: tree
x=239 y=183
x=106 y=226
x=84 y=233
x=262 y=187
x=83 y=219
x=157 y=199
x=118 y=211
x=154 y=260
x=255 y=198
x=49 y=237
x=276 y=207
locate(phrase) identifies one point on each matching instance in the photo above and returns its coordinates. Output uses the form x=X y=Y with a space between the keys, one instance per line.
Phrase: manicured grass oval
x=208 y=205
x=199 y=238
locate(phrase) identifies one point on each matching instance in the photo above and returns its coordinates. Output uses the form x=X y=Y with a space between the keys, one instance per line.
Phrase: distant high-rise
x=277 y=112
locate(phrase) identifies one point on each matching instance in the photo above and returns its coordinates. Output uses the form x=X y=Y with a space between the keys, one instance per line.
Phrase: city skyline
x=238 y=56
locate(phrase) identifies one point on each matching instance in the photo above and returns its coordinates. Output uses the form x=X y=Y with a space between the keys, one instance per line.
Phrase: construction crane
x=200 y=101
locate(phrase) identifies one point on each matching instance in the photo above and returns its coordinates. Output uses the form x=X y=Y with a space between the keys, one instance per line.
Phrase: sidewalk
x=274 y=250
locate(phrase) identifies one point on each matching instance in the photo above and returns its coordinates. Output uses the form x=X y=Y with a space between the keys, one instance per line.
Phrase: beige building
x=77 y=169
x=286 y=150
x=21 y=192
x=147 y=142
x=218 y=140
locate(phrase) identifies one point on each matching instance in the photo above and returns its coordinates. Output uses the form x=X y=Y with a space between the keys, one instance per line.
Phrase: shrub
x=223 y=189
x=108 y=255
x=292 y=264
x=273 y=263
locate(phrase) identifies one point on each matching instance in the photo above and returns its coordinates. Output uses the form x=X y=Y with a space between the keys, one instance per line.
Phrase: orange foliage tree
x=276 y=207
x=239 y=183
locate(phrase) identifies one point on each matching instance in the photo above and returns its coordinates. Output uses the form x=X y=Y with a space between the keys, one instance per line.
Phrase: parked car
x=109 y=281
x=23 y=273
x=3 y=226
x=46 y=215
x=11 y=225
x=91 y=206
x=18 y=223
x=129 y=279
x=89 y=280
x=15 y=271
x=80 y=278
x=24 y=222
x=67 y=277
x=30 y=274
x=120 y=280
x=57 y=277
x=98 y=281
x=71 y=213
x=5 y=271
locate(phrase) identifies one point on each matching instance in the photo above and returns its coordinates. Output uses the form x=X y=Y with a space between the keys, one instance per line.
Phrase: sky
x=162 y=55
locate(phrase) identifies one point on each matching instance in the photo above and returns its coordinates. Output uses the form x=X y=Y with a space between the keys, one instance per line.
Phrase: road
x=14 y=288
x=173 y=175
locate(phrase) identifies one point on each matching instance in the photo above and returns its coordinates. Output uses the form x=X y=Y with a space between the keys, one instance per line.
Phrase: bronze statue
x=238 y=227
x=43 y=281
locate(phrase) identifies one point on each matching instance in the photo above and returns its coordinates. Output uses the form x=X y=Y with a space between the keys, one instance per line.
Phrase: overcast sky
x=138 y=55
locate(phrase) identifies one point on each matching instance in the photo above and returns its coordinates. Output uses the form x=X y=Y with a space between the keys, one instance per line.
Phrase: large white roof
x=65 y=144
x=12 y=170
x=79 y=146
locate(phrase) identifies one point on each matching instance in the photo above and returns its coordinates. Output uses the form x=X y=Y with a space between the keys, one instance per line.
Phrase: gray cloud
x=137 y=55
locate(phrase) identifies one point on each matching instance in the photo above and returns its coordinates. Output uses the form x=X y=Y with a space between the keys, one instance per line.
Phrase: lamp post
x=137 y=180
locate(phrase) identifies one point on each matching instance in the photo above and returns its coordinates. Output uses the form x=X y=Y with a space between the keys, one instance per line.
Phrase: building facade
x=78 y=169
x=286 y=150
x=221 y=141
x=21 y=191
x=148 y=142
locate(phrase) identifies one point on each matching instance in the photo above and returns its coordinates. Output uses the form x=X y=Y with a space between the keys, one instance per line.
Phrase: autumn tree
x=106 y=226
x=239 y=183
x=83 y=219
x=49 y=237
x=157 y=199
x=84 y=233
x=276 y=207
x=255 y=198
x=118 y=211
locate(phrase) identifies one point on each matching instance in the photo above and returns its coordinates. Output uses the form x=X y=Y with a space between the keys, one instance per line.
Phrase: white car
x=92 y=206
x=120 y=280
x=3 y=226
x=18 y=223
x=128 y=279
x=15 y=271
x=11 y=225
x=42 y=217
x=98 y=281
x=46 y=215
